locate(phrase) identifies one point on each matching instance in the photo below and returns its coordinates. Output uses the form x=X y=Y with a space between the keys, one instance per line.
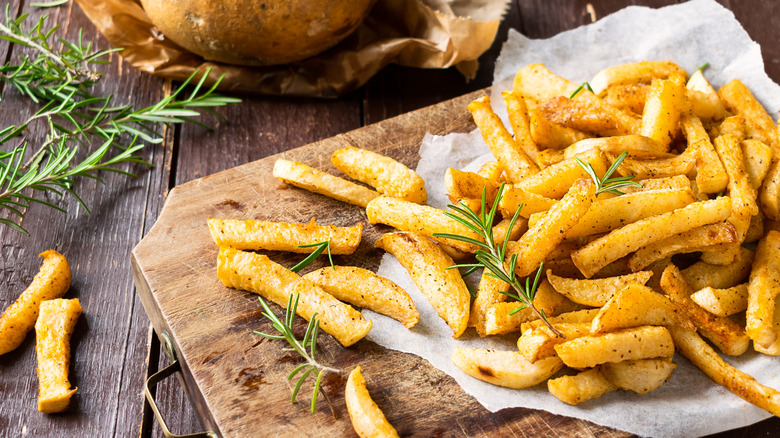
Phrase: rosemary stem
x=32 y=44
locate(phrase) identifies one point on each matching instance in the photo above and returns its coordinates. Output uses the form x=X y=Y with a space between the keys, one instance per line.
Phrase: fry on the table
x=53 y=330
x=367 y=418
x=284 y=236
x=386 y=175
x=51 y=281
x=504 y=368
x=316 y=181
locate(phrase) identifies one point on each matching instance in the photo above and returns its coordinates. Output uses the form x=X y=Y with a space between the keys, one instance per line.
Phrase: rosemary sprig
x=492 y=255
x=307 y=347
x=583 y=85
x=321 y=247
x=59 y=80
x=607 y=184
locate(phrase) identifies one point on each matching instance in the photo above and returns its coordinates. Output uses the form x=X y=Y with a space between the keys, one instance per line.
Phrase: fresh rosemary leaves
x=59 y=80
x=583 y=85
x=607 y=184
x=492 y=255
x=307 y=347
x=321 y=247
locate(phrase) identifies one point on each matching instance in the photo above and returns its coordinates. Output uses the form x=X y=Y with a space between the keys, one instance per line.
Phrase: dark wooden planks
x=109 y=345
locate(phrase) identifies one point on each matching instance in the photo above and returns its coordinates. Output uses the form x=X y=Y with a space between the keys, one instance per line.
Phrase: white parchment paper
x=690 y=34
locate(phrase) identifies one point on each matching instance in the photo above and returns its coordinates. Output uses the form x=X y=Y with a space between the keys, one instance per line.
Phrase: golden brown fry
x=584 y=315
x=727 y=335
x=618 y=243
x=534 y=246
x=462 y=185
x=383 y=173
x=513 y=197
x=549 y=135
x=700 y=275
x=704 y=100
x=665 y=103
x=363 y=288
x=740 y=190
x=314 y=180
x=554 y=181
x=582 y=387
x=722 y=302
x=637 y=305
x=282 y=236
x=762 y=294
x=711 y=177
x=519 y=119
x=677 y=182
x=640 y=376
x=491 y=290
x=501 y=230
x=53 y=329
x=368 y=420
x=645 y=342
x=500 y=319
x=636 y=146
x=493 y=171
x=51 y=281
x=595 y=292
x=427 y=265
x=627 y=97
x=758 y=158
x=539 y=342
x=539 y=83
x=515 y=162
x=504 y=368
x=755 y=230
x=589 y=115
x=635 y=72
x=698 y=239
x=408 y=216
x=256 y=273
x=665 y=167
x=693 y=347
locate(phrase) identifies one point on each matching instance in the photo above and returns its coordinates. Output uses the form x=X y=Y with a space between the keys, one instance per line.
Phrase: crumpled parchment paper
x=693 y=33
x=415 y=33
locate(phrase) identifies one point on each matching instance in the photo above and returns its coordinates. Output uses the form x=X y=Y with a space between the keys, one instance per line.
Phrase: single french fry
x=638 y=305
x=283 y=236
x=504 y=368
x=493 y=171
x=740 y=190
x=640 y=376
x=588 y=115
x=722 y=302
x=363 y=288
x=711 y=177
x=587 y=385
x=755 y=230
x=256 y=273
x=704 y=100
x=503 y=317
x=664 y=167
x=520 y=121
x=698 y=239
x=637 y=146
x=666 y=102
x=539 y=83
x=367 y=418
x=539 y=342
x=595 y=292
x=700 y=275
x=575 y=316
x=501 y=230
x=491 y=290
x=515 y=162
x=427 y=266
x=554 y=181
x=732 y=125
x=53 y=330
x=763 y=291
x=677 y=182
x=385 y=174
x=635 y=72
x=513 y=197
x=549 y=135
x=758 y=158
x=534 y=246
x=622 y=241
x=314 y=180
x=462 y=185
x=51 y=281
x=644 y=342
x=704 y=357
x=609 y=214
x=727 y=335
x=408 y=216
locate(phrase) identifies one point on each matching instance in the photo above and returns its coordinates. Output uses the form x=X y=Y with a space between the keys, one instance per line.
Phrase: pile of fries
x=630 y=274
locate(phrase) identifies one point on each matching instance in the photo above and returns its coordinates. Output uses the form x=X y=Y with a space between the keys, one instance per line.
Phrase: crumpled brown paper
x=416 y=33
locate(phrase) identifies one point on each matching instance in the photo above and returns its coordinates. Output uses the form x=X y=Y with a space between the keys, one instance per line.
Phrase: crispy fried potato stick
x=368 y=420
x=640 y=376
x=645 y=342
x=314 y=180
x=637 y=305
x=51 y=281
x=283 y=236
x=53 y=329
x=595 y=292
x=504 y=368
x=762 y=295
x=581 y=387
x=383 y=173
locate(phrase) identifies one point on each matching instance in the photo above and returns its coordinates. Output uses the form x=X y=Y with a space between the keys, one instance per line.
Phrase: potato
x=640 y=376
x=618 y=243
x=627 y=97
x=408 y=216
x=582 y=387
x=513 y=197
x=702 y=238
x=693 y=347
x=537 y=82
x=587 y=115
x=664 y=167
x=51 y=281
x=554 y=181
x=705 y=102
x=513 y=159
x=53 y=329
x=427 y=265
x=363 y=288
x=539 y=342
x=282 y=236
x=547 y=134
x=504 y=368
x=317 y=181
x=367 y=418
x=722 y=302
x=461 y=185
x=219 y=31
x=635 y=72
x=644 y=342
x=758 y=158
x=386 y=175
x=700 y=274
x=595 y=292
x=637 y=146
x=584 y=315
x=711 y=177
x=256 y=273
x=762 y=294
x=491 y=290
x=499 y=318
x=520 y=121
x=664 y=105
x=637 y=305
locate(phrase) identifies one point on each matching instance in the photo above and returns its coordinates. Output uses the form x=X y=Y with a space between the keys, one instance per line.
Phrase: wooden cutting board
x=236 y=379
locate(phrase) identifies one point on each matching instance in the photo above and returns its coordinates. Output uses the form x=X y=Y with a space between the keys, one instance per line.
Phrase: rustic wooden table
x=114 y=350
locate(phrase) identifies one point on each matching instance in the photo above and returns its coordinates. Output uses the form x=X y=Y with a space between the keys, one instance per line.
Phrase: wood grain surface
x=113 y=348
